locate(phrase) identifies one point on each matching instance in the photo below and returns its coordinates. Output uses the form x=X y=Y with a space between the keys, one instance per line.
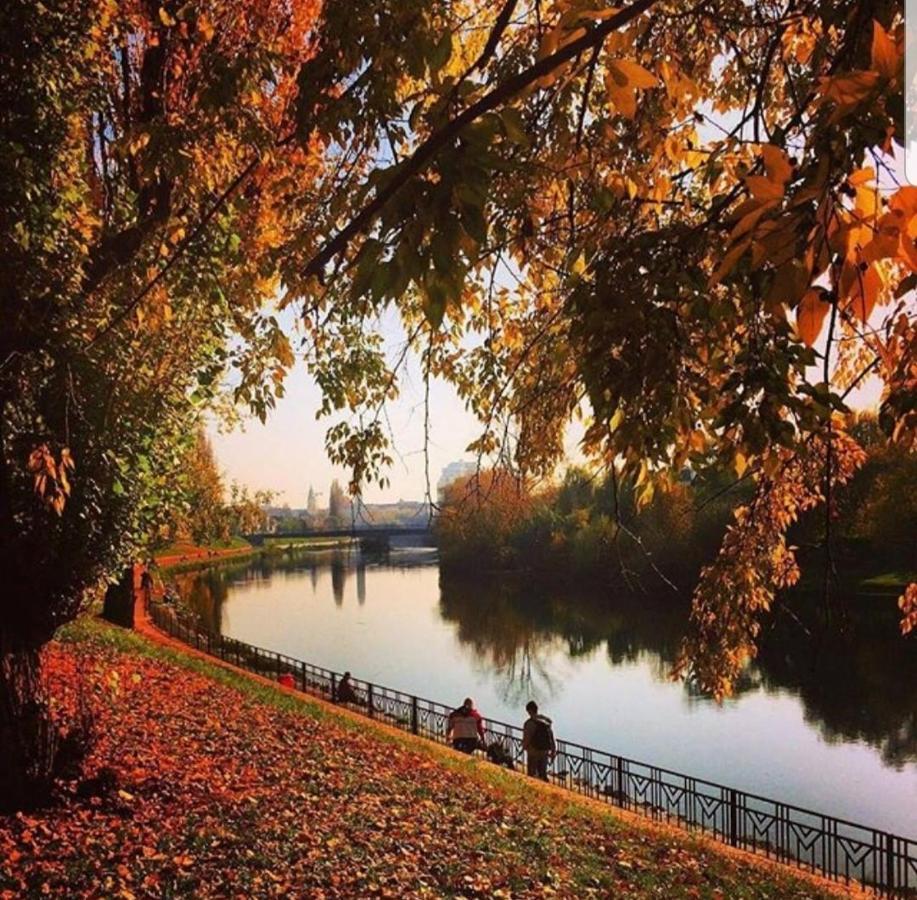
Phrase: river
x=828 y=724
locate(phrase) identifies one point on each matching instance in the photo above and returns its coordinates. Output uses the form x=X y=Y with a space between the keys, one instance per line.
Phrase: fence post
x=733 y=817
x=890 y=879
x=369 y=697
x=622 y=793
x=334 y=688
x=413 y=715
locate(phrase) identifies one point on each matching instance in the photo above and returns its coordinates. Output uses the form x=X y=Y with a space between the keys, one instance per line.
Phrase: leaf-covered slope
x=228 y=788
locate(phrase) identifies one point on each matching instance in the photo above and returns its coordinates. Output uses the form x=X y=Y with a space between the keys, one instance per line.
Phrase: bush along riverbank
x=202 y=782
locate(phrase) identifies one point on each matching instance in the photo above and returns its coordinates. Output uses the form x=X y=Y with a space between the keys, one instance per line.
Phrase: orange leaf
x=860 y=290
x=729 y=261
x=762 y=188
x=811 y=315
x=885 y=57
x=750 y=219
x=627 y=72
x=849 y=90
x=790 y=283
x=862 y=176
x=777 y=164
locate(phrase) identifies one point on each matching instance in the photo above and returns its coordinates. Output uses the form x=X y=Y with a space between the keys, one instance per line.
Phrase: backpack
x=541 y=736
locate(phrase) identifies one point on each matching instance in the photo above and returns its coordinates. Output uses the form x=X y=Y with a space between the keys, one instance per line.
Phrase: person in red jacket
x=466 y=727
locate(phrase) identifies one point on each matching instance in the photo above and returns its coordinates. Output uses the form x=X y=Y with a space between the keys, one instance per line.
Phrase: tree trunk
x=27 y=735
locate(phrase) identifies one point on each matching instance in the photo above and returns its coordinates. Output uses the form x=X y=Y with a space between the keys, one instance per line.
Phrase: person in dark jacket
x=345 y=691
x=538 y=742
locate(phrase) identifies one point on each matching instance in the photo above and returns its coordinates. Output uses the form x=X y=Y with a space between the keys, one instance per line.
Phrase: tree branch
x=428 y=149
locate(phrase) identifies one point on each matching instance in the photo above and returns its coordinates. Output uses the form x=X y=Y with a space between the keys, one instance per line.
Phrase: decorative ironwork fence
x=840 y=850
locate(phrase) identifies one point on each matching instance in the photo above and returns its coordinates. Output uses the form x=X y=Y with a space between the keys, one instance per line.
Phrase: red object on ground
x=286 y=679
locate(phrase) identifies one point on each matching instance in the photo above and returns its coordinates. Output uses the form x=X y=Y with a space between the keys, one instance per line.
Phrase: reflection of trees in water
x=338 y=579
x=862 y=686
x=858 y=685
x=502 y=620
x=506 y=637
x=205 y=592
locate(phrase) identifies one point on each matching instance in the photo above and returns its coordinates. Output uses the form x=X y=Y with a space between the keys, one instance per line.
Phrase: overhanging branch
x=428 y=149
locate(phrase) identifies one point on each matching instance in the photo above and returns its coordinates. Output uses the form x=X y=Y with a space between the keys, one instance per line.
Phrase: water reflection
x=857 y=686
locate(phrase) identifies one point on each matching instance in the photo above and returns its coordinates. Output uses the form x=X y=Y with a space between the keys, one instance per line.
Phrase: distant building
x=312 y=502
x=453 y=472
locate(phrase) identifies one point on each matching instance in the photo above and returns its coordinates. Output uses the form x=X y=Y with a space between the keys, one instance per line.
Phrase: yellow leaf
x=741 y=464
x=632 y=74
x=810 y=315
x=165 y=18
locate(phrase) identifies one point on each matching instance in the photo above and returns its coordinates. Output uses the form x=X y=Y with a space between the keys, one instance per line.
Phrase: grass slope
x=228 y=787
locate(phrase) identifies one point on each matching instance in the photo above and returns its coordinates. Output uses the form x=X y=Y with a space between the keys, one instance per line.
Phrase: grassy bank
x=224 y=786
x=186 y=557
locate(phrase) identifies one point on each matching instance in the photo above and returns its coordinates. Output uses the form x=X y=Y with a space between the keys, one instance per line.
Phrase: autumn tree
x=682 y=223
x=144 y=159
x=480 y=516
x=338 y=507
x=246 y=510
x=204 y=515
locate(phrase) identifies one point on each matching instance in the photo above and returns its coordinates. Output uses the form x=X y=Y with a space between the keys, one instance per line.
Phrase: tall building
x=312 y=502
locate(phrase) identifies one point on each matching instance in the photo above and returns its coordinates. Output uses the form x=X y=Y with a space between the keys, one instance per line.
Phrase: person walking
x=466 y=727
x=538 y=742
x=146 y=584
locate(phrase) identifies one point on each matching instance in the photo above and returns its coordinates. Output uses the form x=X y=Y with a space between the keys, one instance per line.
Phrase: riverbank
x=186 y=556
x=222 y=784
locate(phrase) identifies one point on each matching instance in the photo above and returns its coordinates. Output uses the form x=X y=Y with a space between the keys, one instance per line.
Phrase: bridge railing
x=838 y=849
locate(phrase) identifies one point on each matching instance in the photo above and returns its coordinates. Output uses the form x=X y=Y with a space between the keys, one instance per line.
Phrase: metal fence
x=840 y=850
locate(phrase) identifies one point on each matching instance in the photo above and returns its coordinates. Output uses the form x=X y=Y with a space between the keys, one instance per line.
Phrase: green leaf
x=436 y=298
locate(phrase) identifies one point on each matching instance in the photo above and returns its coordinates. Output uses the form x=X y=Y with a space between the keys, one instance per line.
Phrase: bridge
x=381 y=534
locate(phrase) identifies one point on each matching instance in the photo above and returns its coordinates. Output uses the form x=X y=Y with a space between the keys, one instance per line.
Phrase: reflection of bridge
x=374 y=535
